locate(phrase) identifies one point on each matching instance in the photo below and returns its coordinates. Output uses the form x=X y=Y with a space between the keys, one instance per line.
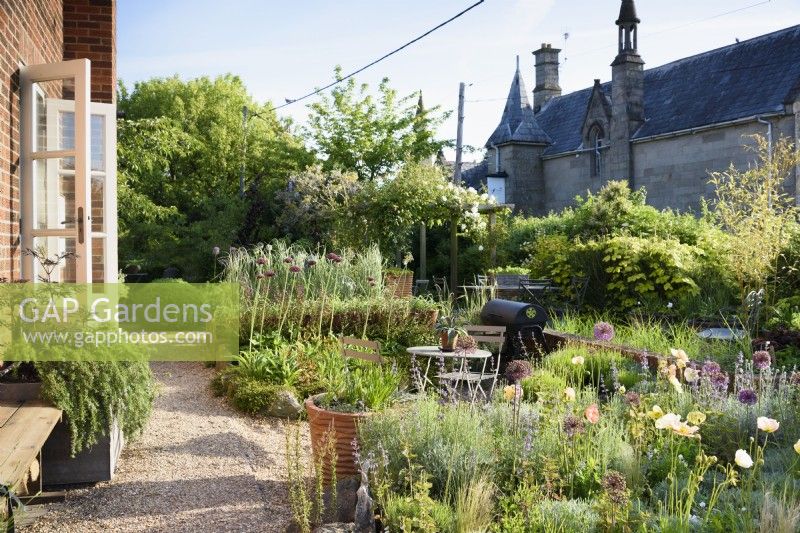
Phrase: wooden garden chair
x=363 y=349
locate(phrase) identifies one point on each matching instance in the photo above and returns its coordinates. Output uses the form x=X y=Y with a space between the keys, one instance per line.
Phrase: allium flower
x=261 y=260
x=578 y=360
x=573 y=426
x=748 y=397
x=797 y=446
x=616 y=489
x=518 y=370
x=269 y=273
x=696 y=417
x=330 y=256
x=509 y=392
x=259 y=276
x=743 y=459
x=288 y=260
x=719 y=380
x=215 y=250
x=311 y=262
x=767 y=425
x=603 y=331
x=711 y=367
x=633 y=399
x=294 y=269
x=761 y=359
x=691 y=375
x=592 y=414
x=569 y=394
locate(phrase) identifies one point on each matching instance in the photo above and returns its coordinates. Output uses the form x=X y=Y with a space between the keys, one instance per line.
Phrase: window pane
x=52 y=130
x=54 y=259
x=55 y=195
x=98 y=204
x=98 y=261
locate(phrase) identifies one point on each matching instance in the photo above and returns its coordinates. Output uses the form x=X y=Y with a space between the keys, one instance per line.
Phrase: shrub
x=543 y=384
x=254 y=396
x=596 y=364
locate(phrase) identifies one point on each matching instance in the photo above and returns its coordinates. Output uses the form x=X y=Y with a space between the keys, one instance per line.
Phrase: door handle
x=80 y=225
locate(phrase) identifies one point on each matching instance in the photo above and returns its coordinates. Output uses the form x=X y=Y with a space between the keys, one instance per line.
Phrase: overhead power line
x=290 y=101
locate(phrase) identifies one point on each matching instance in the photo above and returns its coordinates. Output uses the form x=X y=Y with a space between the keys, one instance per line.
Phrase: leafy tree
x=353 y=130
x=181 y=149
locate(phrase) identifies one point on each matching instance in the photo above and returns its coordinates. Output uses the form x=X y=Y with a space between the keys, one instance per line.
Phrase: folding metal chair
x=420 y=286
x=440 y=283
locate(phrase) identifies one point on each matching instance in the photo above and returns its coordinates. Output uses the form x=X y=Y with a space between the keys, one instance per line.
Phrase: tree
x=181 y=149
x=753 y=207
x=354 y=131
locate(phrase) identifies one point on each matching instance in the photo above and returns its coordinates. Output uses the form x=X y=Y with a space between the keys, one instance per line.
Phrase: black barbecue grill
x=524 y=324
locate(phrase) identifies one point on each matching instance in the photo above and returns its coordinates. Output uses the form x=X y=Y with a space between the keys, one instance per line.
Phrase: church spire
x=518 y=123
x=628 y=23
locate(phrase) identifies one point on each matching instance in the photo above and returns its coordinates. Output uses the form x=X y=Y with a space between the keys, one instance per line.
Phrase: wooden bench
x=24 y=427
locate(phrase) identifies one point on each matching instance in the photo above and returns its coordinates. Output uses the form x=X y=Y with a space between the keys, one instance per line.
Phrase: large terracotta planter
x=400 y=285
x=345 y=427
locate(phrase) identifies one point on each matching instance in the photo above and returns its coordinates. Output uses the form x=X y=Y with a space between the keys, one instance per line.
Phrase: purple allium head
x=748 y=397
x=719 y=380
x=761 y=359
x=311 y=262
x=710 y=368
x=259 y=276
x=294 y=269
x=269 y=273
x=215 y=250
x=288 y=259
x=603 y=331
x=573 y=426
x=615 y=486
x=633 y=399
x=261 y=260
x=518 y=370
x=330 y=256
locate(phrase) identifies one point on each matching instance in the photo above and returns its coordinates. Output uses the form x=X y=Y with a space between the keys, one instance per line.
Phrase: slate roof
x=518 y=123
x=476 y=175
x=753 y=77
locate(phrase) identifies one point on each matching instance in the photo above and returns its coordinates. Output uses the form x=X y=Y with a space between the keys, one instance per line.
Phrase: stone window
x=595 y=146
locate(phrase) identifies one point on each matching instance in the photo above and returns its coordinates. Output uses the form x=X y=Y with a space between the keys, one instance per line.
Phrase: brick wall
x=90 y=32
x=30 y=33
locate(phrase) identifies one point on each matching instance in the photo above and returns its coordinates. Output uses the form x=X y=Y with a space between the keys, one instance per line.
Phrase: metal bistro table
x=460 y=357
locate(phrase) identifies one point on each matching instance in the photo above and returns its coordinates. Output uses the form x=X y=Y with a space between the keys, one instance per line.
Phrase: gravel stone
x=199 y=466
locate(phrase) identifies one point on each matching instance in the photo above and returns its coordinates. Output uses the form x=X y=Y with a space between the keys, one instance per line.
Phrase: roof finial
x=517 y=61
x=627 y=13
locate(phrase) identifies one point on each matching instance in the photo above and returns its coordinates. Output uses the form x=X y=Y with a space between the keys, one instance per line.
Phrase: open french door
x=69 y=208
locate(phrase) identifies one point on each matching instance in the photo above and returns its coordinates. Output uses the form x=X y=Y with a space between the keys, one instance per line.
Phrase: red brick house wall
x=44 y=31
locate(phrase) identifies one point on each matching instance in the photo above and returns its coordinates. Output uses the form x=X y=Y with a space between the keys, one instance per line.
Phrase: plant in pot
x=353 y=390
x=449 y=328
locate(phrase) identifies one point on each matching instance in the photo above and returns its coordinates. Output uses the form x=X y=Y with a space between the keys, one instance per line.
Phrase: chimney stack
x=547 y=86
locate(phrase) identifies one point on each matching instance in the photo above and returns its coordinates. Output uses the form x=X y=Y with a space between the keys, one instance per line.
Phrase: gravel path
x=199 y=466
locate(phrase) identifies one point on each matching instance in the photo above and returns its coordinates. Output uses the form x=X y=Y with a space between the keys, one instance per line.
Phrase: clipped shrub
x=543 y=384
x=254 y=396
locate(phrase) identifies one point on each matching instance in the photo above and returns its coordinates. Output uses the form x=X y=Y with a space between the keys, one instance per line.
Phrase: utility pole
x=244 y=152
x=459 y=134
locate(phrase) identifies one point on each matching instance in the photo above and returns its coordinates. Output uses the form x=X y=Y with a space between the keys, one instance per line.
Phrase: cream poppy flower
x=743 y=459
x=696 y=417
x=578 y=360
x=681 y=359
x=655 y=412
x=767 y=425
x=675 y=384
x=685 y=430
x=509 y=391
x=797 y=446
x=569 y=394
x=691 y=375
x=622 y=389
x=668 y=421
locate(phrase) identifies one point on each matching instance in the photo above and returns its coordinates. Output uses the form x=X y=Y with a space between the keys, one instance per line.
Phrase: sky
x=286 y=49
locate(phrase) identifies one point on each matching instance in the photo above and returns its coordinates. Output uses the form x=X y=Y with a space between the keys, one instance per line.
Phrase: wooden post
x=423 y=252
x=453 y=255
x=459 y=135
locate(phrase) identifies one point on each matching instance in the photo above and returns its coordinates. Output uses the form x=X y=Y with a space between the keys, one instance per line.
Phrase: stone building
x=663 y=128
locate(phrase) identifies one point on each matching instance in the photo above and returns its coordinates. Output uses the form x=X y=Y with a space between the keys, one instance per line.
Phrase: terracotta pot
x=345 y=427
x=400 y=285
x=447 y=344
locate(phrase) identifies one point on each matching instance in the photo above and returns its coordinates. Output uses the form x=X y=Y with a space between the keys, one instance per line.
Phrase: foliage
x=353 y=385
x=753 y=206
x=254 y=396
x=178 y=141
x=95 y=395
x=354 y=131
